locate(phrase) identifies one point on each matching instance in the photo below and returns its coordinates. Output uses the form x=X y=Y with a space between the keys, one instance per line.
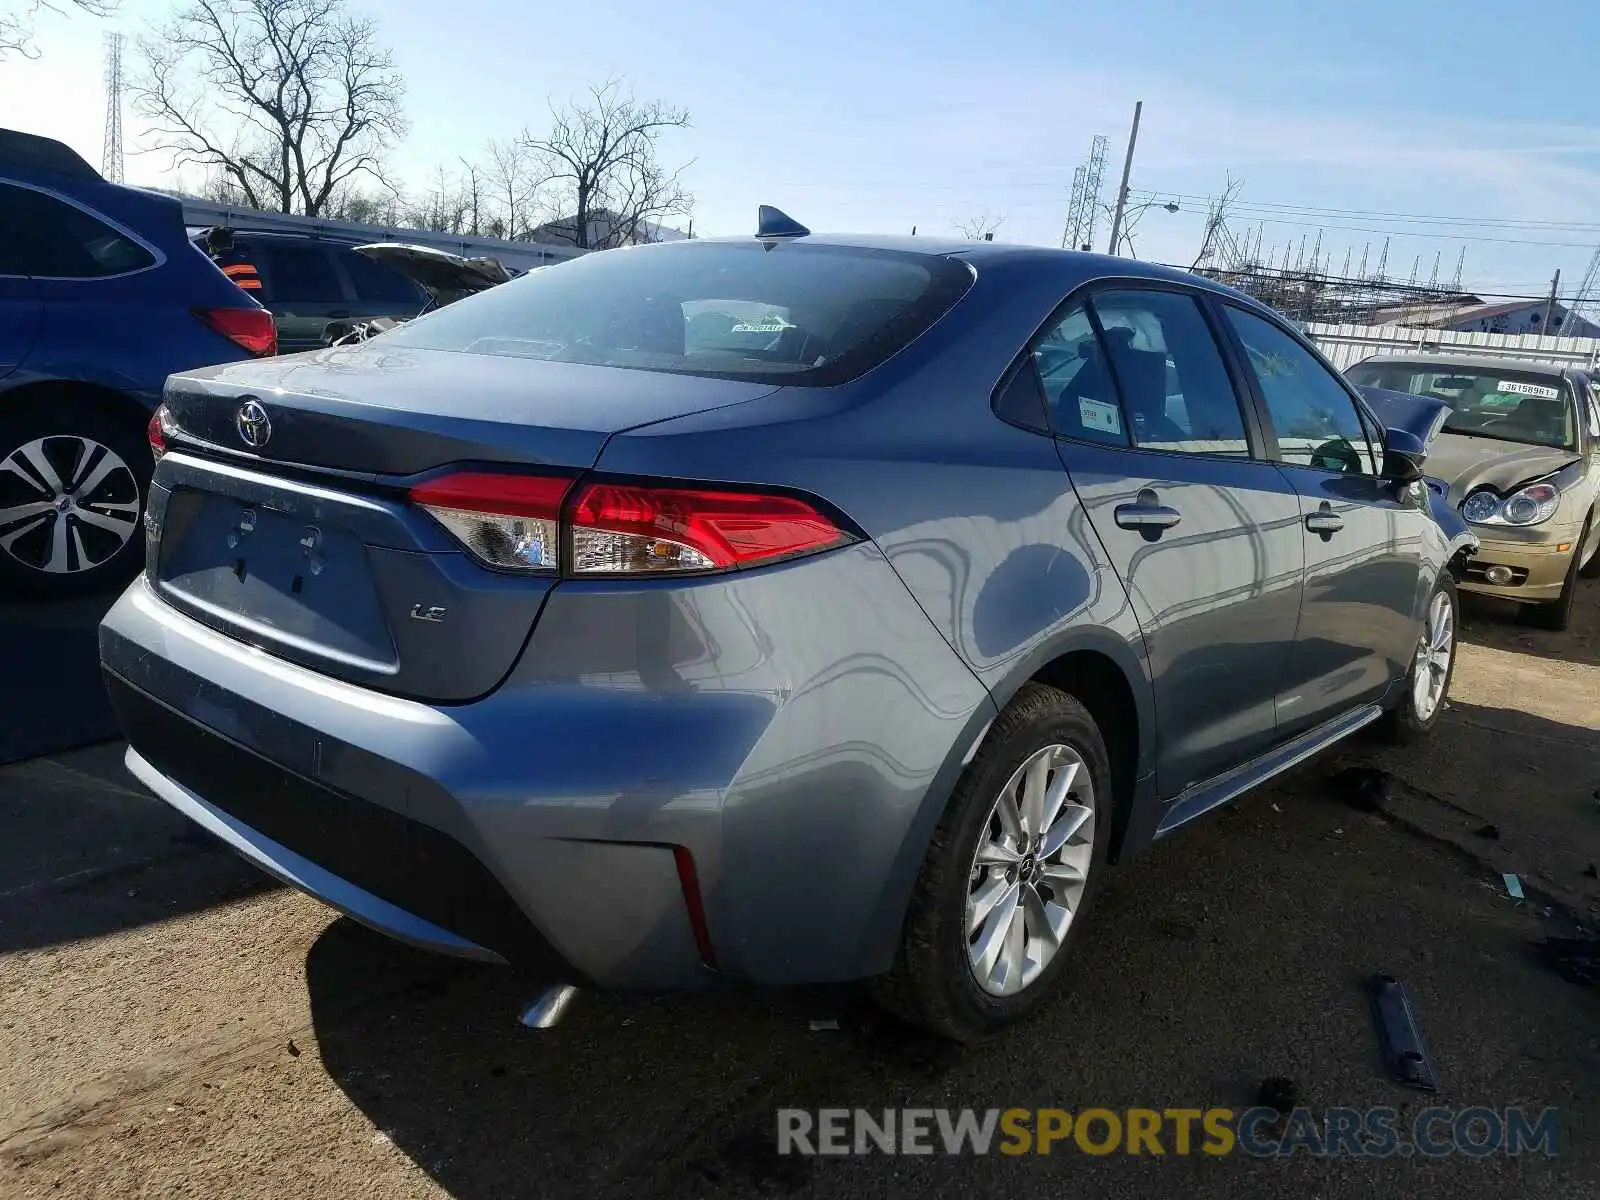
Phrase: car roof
x=1076 y=262
x=1482 y=362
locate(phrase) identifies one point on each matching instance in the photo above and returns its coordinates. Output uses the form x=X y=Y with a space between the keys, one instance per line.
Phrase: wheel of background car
x=1556 y=615
x=72 y=486
x=1433 y=665
x=1010 y=874
x=1589 y=544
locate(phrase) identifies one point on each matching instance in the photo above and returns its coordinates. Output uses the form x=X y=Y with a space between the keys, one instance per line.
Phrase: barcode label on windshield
x=1527 y=389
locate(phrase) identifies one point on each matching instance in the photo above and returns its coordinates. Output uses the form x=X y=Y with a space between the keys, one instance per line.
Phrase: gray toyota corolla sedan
x=774 y=610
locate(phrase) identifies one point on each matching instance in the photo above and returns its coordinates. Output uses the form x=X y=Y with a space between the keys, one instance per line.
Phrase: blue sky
x=884 y=116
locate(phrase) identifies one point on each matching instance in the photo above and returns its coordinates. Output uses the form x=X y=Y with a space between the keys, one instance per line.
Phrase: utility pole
x=1127 y=166
x=1550 y=306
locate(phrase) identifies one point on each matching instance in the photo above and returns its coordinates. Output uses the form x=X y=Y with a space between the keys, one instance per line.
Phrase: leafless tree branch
x=980 y=229
x=600 y=156
x=290 y=99
x=17 y=22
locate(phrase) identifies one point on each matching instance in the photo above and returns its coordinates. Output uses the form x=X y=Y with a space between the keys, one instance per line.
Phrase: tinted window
x=1314 y=416
x=1078 y=385
x=1175 y=387
x=792 y=313
x=1514 y=406
x=376 y=283
x=298 y=273
x=43 y=236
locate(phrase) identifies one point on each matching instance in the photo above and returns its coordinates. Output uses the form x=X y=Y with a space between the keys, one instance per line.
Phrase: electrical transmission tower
x=111 y=155
x=1083 y=213
x=1585 y=295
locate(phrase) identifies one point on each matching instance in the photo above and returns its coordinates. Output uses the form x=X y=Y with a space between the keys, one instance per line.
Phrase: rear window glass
x=1513 y=406
x=301 y=274
x=795 y=313
x=377 y=283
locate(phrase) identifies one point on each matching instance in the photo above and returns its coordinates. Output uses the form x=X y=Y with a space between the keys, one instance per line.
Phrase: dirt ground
x=172 y=1024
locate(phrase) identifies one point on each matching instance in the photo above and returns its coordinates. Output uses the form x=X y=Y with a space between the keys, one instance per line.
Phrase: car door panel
x=1364 y=537
x=1217 y=594
x=1205 y=536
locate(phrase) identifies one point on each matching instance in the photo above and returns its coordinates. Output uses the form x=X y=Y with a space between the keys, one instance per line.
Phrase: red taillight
x=156 y=434
x=519 y=522
x=248 y=328
x=628 y=528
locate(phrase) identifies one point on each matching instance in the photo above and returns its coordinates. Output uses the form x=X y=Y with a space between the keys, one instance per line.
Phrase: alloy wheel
x=67 y=504
x=1431 y=671
x=1028 y=873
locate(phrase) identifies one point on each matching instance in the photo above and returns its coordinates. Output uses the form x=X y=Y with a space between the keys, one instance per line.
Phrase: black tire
x=931 y=984
x=1556 y=615
x=1403 y=724
x=1590 y=569
x=73 y=435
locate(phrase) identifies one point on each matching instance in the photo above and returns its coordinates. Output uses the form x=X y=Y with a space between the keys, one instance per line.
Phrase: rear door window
x=791 y=313
x=48 y=238
x=298 y=274
x=377 y=283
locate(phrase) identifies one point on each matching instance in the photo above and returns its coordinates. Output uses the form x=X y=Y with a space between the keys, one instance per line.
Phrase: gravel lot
x=172 y=1024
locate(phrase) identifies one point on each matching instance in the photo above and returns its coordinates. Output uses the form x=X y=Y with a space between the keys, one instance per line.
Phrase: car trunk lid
x=305 y=544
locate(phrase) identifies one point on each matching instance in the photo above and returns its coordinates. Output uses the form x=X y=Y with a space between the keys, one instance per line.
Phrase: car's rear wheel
x=1433 y=665
x=1557 y=614
x=72 y=485
x=1010 y=874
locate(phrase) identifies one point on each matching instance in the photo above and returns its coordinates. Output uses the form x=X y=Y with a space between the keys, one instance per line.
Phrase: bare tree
x=292 y=99
x=471 y=192
x=980 y=229
x=514 y=185
x=443 y=207
x=600 y=153
x=17 y=18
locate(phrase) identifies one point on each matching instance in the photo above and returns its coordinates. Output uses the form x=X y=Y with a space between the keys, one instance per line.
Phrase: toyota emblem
x=254 y=426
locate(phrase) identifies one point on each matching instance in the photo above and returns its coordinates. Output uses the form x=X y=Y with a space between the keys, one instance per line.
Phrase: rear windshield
x=794 y=313
x=1530 y=407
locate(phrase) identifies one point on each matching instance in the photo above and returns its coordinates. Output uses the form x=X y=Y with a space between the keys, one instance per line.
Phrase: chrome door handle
x=1147 y=514
x=1324 y=522
x=1134 y=516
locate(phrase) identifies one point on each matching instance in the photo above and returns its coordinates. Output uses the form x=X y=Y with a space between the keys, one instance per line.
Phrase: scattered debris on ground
x=1513 y=886
x=1403 y=1046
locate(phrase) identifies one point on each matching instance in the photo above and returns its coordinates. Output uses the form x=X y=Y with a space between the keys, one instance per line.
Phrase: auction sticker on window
x=1097 y=414
x=1527 y=389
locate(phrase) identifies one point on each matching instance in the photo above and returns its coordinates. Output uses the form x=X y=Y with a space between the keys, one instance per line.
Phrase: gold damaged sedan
x=1520 y=452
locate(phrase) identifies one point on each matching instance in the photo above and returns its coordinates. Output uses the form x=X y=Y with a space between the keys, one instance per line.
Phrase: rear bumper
x=795 y=731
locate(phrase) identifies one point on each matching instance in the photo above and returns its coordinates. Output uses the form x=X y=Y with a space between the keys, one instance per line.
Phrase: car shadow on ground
x=1498 y=624
x=678 y=1097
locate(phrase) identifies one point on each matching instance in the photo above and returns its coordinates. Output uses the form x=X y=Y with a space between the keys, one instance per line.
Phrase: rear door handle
x=1147 y=514
x=1324 y=522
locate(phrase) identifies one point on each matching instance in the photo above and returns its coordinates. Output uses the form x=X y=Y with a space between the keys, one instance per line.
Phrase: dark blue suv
x=102 y=296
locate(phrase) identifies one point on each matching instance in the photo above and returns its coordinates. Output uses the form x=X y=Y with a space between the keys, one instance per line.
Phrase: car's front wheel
x=1433 y=665
x=1010 y=874
x=72 y=486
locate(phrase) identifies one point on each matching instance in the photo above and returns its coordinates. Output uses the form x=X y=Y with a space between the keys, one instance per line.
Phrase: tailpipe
x=552 y=1005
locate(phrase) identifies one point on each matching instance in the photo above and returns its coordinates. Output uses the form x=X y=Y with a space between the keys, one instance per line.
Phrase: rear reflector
x=689 y=882
x=250 y=329
x=518 y=522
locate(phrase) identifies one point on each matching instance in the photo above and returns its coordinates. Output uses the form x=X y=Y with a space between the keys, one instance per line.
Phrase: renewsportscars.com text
x=1259 y=1132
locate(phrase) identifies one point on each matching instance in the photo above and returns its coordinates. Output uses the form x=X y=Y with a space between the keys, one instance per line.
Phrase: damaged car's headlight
x=1530 y=505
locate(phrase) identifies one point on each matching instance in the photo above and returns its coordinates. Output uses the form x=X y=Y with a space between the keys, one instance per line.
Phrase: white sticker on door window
x=1097 y=414
x=1527 y=389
